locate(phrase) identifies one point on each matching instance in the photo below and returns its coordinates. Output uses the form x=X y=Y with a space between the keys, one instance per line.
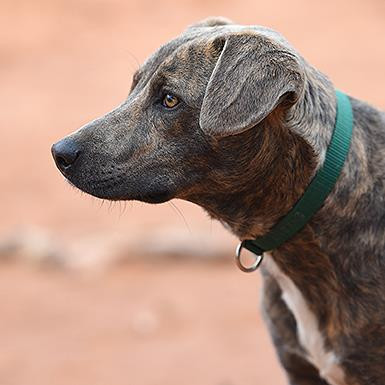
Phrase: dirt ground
x=182 y=324
x=149 y=321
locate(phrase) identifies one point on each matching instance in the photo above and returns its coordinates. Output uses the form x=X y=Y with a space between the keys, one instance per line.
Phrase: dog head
x=201 y=119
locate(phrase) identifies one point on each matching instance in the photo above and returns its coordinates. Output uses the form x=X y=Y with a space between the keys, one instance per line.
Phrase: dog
x=234 y=119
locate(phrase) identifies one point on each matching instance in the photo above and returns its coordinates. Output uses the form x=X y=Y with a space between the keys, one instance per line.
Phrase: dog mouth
x=119 y=188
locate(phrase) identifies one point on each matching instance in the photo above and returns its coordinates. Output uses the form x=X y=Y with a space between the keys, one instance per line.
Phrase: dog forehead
x=167 y=53
x=189 y=39
x=193 y=49
x=200 y=36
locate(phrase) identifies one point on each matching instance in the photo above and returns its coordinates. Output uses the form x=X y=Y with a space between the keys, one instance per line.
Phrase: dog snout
x=65 y=153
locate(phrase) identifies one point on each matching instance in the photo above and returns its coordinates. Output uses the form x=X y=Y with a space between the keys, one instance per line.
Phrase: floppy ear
x=253 y=75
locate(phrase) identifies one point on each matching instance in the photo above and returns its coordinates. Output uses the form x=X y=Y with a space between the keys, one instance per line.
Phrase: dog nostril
x=62 y=162
x=65 y=153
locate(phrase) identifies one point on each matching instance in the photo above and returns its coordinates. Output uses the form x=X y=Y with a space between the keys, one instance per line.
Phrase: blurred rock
x=32 y=244
x=99 y=251
x=177 y=242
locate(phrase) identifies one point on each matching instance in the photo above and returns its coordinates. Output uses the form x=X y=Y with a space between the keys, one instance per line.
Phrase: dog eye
x=170 y=101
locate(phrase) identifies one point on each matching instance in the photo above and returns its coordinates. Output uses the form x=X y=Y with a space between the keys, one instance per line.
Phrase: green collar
x=315 y=194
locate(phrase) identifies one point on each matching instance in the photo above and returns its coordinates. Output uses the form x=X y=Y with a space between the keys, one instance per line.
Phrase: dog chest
x=308 y=332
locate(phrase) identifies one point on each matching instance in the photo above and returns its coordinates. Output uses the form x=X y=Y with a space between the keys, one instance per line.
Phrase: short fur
x=250 y=131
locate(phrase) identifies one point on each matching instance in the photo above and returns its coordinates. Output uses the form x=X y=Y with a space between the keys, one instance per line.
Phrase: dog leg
x=282 y=326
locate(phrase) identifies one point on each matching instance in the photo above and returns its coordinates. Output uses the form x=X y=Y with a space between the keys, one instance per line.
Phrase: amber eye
x=170 y=101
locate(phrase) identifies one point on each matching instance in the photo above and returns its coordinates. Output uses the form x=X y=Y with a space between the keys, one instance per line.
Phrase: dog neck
x=259 y=175
x=270 y=168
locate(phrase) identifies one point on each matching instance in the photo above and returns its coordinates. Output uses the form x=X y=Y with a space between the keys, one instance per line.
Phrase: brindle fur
x=252 y=128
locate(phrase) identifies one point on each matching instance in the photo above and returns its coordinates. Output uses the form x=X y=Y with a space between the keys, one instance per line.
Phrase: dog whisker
x=179 y=212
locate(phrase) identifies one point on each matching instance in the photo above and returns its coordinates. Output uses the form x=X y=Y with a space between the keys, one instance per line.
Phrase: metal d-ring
x=247 y=269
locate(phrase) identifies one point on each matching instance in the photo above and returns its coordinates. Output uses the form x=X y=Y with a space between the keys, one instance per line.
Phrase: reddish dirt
x=63 y=63
x=182 y=324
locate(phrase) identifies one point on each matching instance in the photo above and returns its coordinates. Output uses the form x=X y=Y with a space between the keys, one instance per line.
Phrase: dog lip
x=152 y=198
x=110 y=187
x=158 y=197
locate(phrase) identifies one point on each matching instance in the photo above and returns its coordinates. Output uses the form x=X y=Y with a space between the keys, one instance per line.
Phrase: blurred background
x=133 y=294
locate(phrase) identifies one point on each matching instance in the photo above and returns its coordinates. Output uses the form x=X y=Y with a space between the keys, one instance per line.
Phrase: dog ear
x=213 y=21
x=253 y=75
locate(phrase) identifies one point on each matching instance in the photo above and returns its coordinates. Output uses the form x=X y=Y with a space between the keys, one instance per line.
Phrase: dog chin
x=155 y=196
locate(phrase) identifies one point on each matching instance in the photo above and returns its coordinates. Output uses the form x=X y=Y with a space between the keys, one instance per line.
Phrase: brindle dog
x=233 y=119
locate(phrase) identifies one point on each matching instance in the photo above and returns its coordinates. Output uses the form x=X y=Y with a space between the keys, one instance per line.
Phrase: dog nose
x=65 y=153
